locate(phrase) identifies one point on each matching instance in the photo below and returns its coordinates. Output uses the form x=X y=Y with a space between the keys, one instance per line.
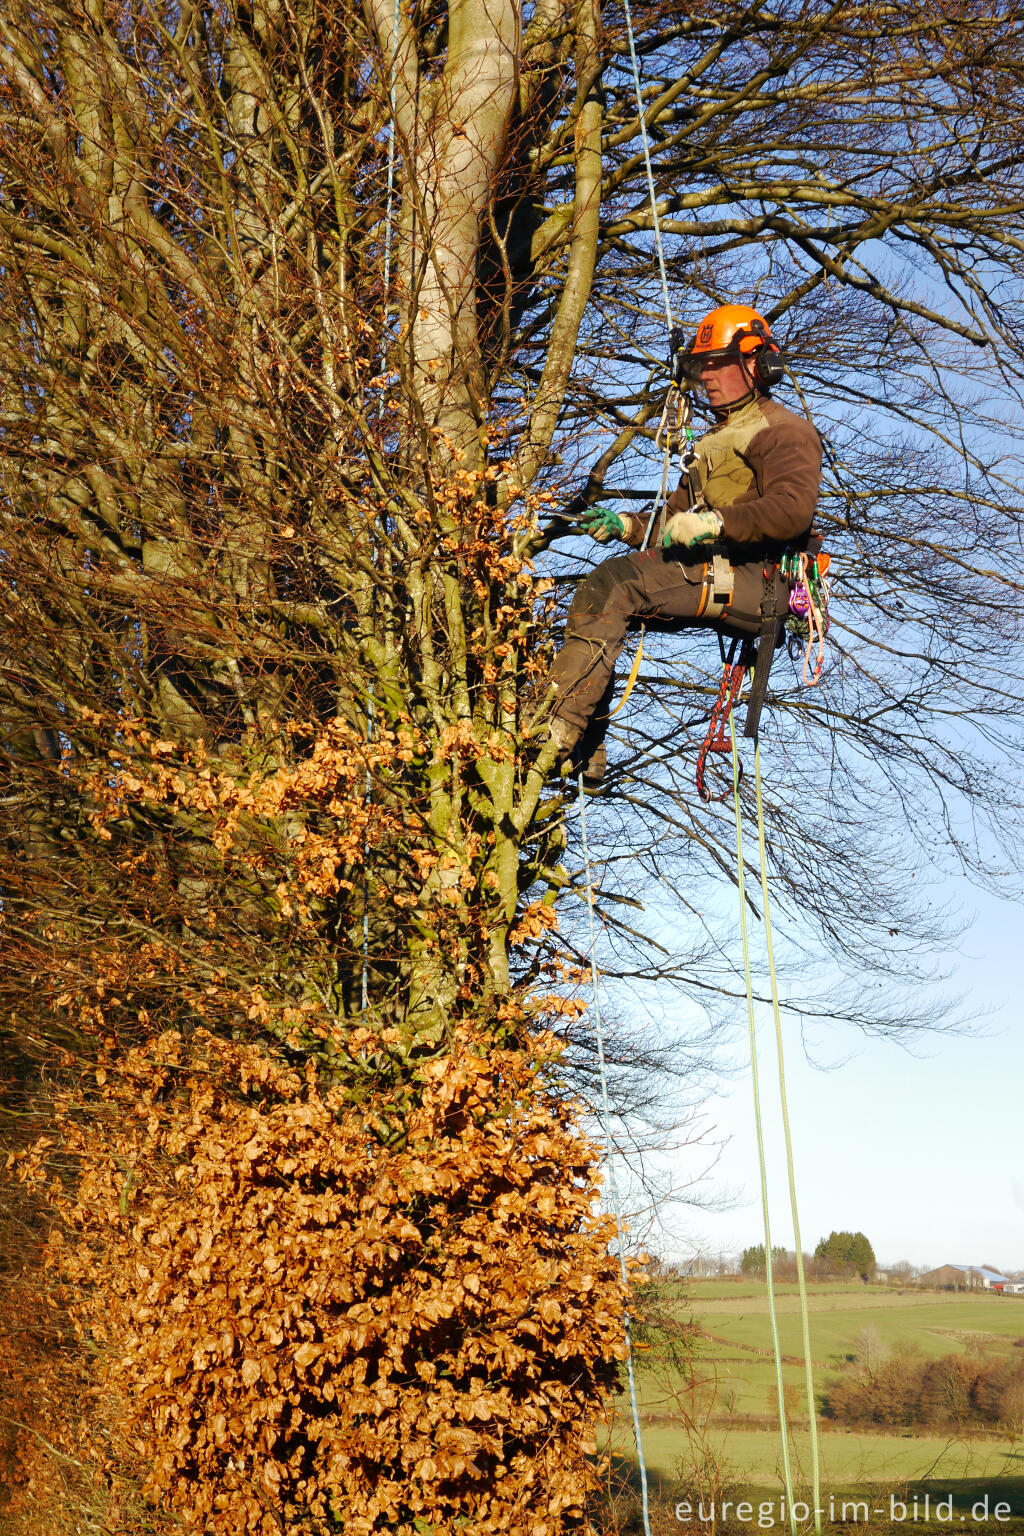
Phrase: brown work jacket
x=760 y=469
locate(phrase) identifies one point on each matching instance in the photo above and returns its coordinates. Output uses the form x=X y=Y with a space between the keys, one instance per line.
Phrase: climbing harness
x=605 y=1119
x=806 y=620
x=762 y=1162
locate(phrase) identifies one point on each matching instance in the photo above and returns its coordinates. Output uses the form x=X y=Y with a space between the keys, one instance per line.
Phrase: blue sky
x=919 y=1148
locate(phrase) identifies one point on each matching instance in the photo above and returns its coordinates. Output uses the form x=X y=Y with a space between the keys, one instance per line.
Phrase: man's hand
x=603 y=524
x=692 y=528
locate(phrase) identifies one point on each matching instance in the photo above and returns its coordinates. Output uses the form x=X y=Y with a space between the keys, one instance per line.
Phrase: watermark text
x=915 y=1509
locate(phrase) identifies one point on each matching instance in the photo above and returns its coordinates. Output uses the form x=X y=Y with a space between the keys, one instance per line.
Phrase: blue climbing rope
x=605 y=1119
x=389 y=215
x=642 y=123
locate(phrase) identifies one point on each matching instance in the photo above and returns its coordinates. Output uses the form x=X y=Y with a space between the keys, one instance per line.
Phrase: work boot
x=578 y=753
x=595 y=765
x=565 y=737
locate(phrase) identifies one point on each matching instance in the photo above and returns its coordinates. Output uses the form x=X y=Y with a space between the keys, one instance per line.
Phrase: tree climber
x=749 y=497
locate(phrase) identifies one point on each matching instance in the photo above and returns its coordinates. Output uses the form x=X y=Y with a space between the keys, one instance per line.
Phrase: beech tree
x=318 y=328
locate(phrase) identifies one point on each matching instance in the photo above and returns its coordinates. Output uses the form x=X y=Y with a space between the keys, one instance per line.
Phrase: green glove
x=603 y=524
x=691 y=528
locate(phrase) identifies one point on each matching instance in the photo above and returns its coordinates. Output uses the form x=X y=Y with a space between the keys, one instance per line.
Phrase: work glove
x=603 y=524
x=692 y=528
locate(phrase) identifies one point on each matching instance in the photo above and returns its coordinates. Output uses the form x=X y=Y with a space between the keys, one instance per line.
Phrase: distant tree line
x=841 y=1253
x=952 y=1392
x=752 y=1262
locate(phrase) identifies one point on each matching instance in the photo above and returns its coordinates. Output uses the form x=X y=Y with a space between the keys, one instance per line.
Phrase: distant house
x=966 y=1277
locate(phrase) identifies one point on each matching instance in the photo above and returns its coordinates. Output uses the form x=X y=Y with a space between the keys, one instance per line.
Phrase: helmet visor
x=692 y=363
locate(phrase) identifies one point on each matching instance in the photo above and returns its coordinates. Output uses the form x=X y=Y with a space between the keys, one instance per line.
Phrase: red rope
x=716 y=740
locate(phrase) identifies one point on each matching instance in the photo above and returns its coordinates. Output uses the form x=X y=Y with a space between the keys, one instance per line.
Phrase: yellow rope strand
x=631 y=679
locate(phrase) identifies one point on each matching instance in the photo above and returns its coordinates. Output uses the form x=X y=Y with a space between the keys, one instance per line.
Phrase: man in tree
x=750 y=496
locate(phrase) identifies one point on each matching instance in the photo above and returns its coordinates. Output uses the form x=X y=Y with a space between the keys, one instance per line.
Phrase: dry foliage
x=306 y=1329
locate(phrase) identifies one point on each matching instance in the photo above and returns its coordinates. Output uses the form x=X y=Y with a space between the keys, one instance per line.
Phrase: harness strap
x=767 y=643
x=719 y=584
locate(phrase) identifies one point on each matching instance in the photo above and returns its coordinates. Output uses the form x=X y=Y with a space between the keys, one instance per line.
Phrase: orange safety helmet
x=734 y=331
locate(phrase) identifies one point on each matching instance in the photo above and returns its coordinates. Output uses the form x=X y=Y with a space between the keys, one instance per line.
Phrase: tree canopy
x=847 y=1250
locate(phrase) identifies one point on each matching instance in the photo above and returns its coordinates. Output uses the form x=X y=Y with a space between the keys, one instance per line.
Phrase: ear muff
x=768 y=365
x=768 y=368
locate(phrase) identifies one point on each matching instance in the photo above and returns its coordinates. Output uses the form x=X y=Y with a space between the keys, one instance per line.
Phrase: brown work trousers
x=650 y=584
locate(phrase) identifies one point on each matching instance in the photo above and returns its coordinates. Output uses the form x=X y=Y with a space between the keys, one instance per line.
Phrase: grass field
x=736 y=1402
x=750 y=1457
x=738 y=1338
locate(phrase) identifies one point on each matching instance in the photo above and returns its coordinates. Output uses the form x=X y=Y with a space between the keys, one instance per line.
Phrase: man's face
x=725 y=379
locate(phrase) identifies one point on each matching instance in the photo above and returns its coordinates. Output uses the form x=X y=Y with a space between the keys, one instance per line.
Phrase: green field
x=751 y=1457
x=732 y=1413
x=738 y=1340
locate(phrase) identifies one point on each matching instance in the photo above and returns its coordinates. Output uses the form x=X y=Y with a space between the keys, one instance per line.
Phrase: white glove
x=690 y=528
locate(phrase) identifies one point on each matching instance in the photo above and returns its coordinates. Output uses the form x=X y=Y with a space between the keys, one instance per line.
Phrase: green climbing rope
x=790 y=1163
x=787 y=1473
x=805 y=1322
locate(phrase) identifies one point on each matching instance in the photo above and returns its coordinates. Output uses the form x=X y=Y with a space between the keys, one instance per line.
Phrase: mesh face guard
x=693 y=363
